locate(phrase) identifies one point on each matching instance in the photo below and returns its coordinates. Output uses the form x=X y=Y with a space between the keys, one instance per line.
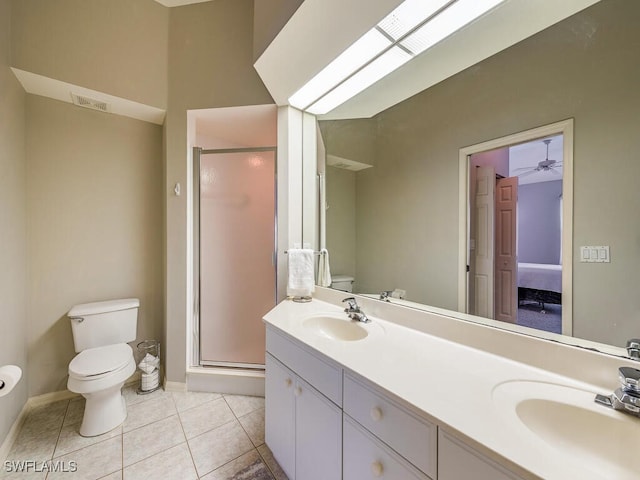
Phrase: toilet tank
x=104 y=323
x=342 y=282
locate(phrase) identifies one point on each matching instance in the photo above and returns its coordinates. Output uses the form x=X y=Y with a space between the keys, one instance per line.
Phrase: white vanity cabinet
x=366 y=457
x=303 y=427
x=324 y=422
x=399 y=428
x=457 y=460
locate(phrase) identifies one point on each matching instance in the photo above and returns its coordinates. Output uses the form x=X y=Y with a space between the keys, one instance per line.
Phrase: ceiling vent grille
x=92 y=103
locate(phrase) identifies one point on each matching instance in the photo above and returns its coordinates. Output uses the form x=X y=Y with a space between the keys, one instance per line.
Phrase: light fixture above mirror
x=412 y=28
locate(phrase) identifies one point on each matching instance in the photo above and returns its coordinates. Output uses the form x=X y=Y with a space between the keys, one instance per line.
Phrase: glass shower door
x=237 y=245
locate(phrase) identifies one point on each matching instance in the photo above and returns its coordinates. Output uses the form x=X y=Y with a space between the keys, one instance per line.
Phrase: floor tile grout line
x=264 y=460
x=193 y=462
x=255 y=447
x=55 y=446
x=235 y=417
x=164 y=450
x=91 y=444
x=232 y=460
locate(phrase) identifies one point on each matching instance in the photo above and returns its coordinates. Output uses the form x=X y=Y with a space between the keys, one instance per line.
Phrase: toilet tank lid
x=341 y=278
x=103 y=307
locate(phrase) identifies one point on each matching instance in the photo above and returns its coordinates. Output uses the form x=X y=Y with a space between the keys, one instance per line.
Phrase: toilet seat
x=96 y=363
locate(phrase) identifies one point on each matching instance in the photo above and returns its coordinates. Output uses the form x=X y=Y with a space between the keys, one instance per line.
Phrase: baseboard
x=225 y=380
x=12 y=436
x=174 y=386
x=51 y=397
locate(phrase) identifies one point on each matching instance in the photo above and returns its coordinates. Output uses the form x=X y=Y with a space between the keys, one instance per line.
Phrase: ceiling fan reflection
x=545 y=165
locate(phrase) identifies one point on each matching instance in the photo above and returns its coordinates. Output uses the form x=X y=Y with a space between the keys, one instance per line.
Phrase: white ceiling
x=235 y=127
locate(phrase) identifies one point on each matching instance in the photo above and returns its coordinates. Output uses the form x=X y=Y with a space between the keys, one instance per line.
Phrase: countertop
x=451 y=383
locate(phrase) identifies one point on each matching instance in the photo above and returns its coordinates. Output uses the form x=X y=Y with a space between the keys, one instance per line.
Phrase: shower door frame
x=197 y=152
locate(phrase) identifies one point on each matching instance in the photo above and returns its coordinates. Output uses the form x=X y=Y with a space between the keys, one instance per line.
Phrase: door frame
x=197 y=153
x=564 y=128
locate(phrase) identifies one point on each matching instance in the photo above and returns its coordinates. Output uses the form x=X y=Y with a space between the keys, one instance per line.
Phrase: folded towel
x=324 y=272
x=301 y=281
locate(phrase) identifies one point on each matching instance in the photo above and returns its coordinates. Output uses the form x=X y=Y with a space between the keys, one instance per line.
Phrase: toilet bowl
x=98 y=374
x=104 y=361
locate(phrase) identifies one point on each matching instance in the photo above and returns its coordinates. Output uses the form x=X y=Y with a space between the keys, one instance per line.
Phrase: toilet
x=342 y=282
x=104 y=361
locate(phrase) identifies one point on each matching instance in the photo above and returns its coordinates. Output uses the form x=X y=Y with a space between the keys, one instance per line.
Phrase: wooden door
x=506 y=266
x=484 y=232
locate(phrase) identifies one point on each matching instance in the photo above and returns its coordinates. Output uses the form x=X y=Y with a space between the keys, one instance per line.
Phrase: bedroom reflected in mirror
x=515 y=233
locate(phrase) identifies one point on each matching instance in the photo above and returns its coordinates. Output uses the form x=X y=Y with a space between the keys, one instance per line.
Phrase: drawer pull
x=287 y=382
x=376 y=414
x=377 y=469
x=298 y=391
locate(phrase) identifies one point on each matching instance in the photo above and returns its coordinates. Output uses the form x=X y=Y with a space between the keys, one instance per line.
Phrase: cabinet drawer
x=408 y=434
x=326 y=377
x=458 y=460
x=365 y=457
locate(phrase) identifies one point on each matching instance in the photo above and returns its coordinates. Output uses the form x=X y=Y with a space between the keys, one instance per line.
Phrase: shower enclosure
x=234 y=253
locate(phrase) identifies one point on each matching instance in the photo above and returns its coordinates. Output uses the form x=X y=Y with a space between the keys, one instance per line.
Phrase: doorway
x=233 y=184
x=515 y=249
x=237 y=275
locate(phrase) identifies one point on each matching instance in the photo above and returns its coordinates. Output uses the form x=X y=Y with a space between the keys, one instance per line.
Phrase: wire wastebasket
x=149 y=365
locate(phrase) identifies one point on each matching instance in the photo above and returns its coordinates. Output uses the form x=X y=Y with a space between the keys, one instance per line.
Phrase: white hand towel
x=324 y=272
x=301 y=281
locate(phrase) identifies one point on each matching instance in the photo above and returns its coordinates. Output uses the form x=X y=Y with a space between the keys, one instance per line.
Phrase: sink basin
x=574 y=426
x=336 y=328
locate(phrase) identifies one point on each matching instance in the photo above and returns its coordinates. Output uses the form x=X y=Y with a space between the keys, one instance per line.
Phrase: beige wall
x=584 y=68
x=13 y=230
x=341 y=221
x=117 y=46
x=268 y=19
x=351 y=139
x=210 y=65
x=95 y=225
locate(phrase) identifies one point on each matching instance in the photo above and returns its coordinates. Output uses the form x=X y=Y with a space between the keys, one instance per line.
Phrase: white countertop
x=450 y=382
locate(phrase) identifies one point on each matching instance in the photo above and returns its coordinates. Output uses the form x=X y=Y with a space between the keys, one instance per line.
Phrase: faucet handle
x=630 y=378
x=385 y=294
x=353 y=304
x=633 y=348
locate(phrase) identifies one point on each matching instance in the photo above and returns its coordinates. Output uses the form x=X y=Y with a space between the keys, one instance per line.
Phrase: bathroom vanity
x=390 y=399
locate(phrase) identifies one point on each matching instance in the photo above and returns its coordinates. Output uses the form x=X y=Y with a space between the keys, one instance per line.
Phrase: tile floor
x=182 y=436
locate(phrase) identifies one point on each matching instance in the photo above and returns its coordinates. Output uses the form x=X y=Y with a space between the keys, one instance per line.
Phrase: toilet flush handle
x=77 y=319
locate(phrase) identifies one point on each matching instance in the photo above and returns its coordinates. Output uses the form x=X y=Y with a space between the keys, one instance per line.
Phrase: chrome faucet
x=627 y=397
x=354 y=312
x=633 y=348
x=385 y=295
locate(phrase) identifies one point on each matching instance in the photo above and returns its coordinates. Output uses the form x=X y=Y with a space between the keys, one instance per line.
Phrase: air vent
x=92 y=103
x=345 y=163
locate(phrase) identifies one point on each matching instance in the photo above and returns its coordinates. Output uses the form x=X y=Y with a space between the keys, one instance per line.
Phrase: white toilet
x=342 y=282
x=104 y=362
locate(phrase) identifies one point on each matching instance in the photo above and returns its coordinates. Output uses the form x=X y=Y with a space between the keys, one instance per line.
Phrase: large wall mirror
x=392 y=181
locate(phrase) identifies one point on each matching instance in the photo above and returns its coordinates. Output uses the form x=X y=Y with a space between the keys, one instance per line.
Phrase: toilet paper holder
x=10 y=375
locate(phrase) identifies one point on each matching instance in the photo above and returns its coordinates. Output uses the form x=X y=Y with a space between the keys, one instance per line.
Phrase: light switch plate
x=595 y=254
